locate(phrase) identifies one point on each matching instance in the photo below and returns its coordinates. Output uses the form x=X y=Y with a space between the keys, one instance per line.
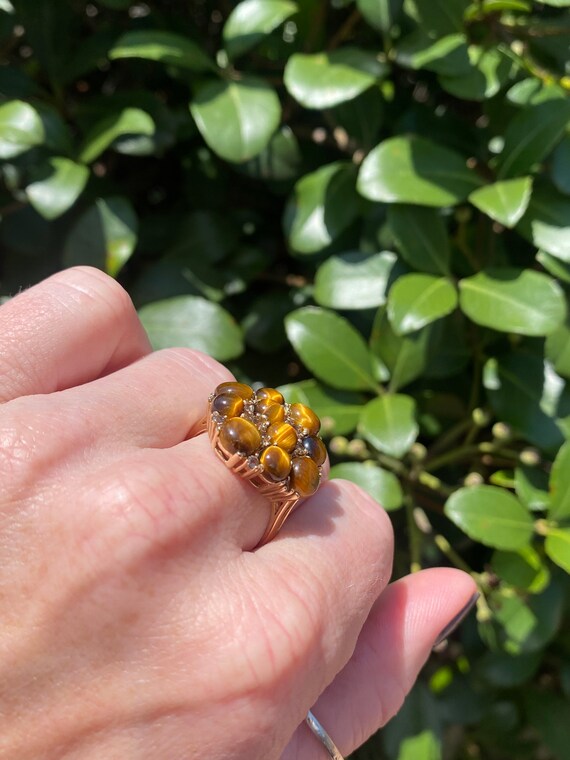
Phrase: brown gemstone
x=282 y=434
x=239 y=436
x=273 y=412
x=239 y=389
x=315 y=448
x=270 y=394
x=276 y=462
x=305 y=419
x=228 y=405
x=305 y=476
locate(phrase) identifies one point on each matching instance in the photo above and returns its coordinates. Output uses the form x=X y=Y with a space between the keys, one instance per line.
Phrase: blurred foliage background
x=367 y=201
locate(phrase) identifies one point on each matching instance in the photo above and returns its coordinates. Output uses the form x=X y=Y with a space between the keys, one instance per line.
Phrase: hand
x=136 y=622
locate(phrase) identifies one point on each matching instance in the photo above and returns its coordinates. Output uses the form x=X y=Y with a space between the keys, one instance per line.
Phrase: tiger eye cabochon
x=279 y=439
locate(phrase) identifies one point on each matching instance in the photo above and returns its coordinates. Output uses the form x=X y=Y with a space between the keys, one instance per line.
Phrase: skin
x=136 y=621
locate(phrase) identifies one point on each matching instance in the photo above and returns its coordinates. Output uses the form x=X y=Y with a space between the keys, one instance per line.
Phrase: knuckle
x=92 y=284
x=194 y=361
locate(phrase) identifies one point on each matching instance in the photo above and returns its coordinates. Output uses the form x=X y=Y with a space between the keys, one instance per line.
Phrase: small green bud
x=481 y=417
x=530 y=457
x=473 y=479
x=501 y=431
x=356 y=448
x=418 y=452
x=338 y=445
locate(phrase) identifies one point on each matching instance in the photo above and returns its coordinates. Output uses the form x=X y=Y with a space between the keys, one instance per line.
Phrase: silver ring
x=323 y=737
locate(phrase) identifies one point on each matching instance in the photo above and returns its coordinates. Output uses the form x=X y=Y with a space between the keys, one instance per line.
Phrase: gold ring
x=274 y=445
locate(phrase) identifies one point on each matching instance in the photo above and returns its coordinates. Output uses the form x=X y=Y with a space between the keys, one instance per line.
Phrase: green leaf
x=192 y=322
x=531 y=485
x=354 y=280
x=560 y=171
x=421 y=236
x=505 y=671
x=526 y=394
x=560 y=485
x=447 y=55
x=54 y=194
x=381 y=14
x=558 y=349
x=506 y=201
x=338 y=411
x=251 y=20
x=331 y=348
x=381 y=484
x=532 y=135
x=557 y=3
x=490 y=515
x=129 y=121
x=546 y=223
x=406 y=357
x=523 y=569
x=21 y=128
x=415 y=731
x=490 y=69
x=554 y=266
x=389 y=423
x=416 y=300
x=165 y=47
x=513 y=300
x=104 y=236
x=323 y=205
x=324 y=80
x=236 y=119
x=441 y=17
x=415 y=170
x=557 y=546
x=280 y=160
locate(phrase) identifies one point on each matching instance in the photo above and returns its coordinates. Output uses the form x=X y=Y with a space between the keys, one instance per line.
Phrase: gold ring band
x=274 y=445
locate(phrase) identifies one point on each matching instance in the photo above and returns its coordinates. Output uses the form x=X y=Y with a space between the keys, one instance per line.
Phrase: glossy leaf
x=129 y=121
x=546 y=223
x=192 y=322
x=513 y=300
x=406 y=357
x=558 y=349
x=554 y=266
x=251 y=20
x=505 y=671
x=323 y=205
x=21 y=128
x=560 y=485
x=236 y=118
x=490 y=515
x=280 y=160
x=354 y=280
x=324 y=80
x=381 y=14
x=531 y=486
x=54 y=193
x=489 y=70
x=557 y=546
x=104 y=236
x=447 y=55
x=506 y=201
x=523 y=569
x=531 y=136
x=389 y=423
x=525 y=393
x=339 y=411
x=416 y=300
x=165 y=47
x=415 y=170
x=441 y=17
x=331 y=348
x=421 y=236
x=381 y=484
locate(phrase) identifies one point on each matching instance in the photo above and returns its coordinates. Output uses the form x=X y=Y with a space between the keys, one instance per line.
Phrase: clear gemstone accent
x=253 y=463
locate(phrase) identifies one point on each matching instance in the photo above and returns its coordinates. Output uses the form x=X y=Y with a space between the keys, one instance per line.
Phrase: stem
x=463 y=452
x=449 y=436
x=446 y=548
x=414 y=536
x=345 y=29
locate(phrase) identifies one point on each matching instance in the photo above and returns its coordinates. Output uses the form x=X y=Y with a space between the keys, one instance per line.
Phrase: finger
x=319 y=579
x=396 y=641
x=69 y=329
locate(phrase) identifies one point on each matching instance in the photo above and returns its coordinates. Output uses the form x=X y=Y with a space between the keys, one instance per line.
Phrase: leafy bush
x=370 y=201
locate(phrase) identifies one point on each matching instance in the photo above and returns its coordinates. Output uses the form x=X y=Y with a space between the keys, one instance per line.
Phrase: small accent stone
x=304 y=418
x=227 y=405
x=276 y=462
x=238 y=435
x=315 y=448
x=253 y=463
x=239 y=389
x=283 y=435
x=305 y=476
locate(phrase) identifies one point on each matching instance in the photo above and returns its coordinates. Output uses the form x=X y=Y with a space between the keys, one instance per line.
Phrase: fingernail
x=454 y=622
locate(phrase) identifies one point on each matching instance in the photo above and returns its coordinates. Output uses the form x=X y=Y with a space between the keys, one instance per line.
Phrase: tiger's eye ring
x=273 y=444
